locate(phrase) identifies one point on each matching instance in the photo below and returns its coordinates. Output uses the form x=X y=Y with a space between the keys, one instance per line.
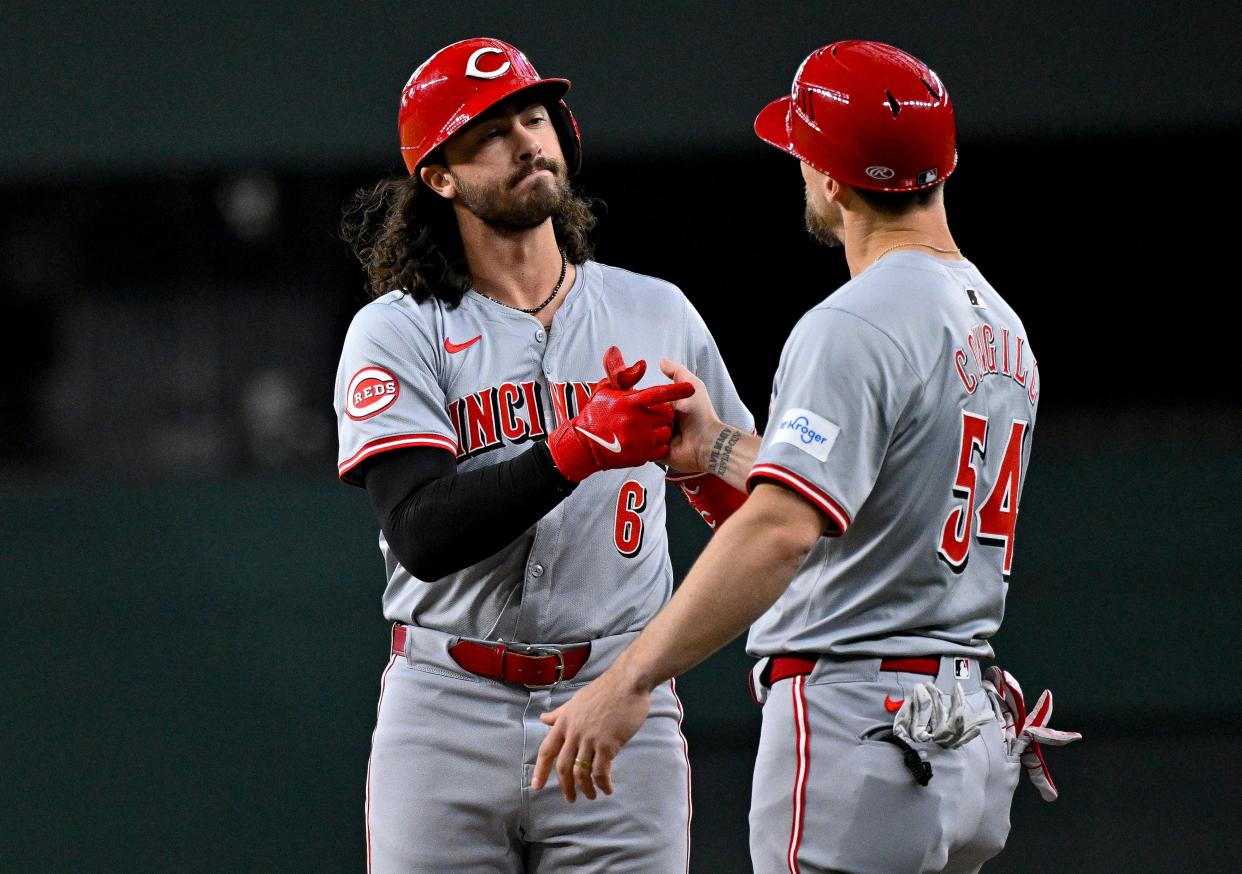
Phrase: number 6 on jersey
x=628 y=529
x=997 y=517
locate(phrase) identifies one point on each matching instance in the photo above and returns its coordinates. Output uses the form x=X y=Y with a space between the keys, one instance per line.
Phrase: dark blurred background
x=190 y=624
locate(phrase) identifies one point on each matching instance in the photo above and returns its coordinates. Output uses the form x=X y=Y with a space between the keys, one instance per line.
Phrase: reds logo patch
x=371 y=391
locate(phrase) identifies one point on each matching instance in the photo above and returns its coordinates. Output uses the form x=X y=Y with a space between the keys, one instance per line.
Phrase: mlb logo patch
x=961 y=669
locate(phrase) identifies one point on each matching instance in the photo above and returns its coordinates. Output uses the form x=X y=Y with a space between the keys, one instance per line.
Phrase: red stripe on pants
x=383 y=682
x=685 y=751
x=802 y=741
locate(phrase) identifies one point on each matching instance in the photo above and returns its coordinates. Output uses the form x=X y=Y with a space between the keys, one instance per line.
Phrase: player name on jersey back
x=992 y=351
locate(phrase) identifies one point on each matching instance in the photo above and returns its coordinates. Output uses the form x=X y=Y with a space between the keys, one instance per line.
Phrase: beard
x=501 y=207
x=820 y=228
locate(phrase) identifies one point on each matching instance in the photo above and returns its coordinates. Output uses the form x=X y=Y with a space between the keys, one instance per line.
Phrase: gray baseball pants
x=448 y=786
x=828 y=796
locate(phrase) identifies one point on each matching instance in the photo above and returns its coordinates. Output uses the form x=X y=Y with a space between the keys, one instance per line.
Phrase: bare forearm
x=730 y=455
x=745 y=568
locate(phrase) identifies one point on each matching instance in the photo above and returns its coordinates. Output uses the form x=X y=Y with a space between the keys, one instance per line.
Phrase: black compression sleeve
x=438 y=521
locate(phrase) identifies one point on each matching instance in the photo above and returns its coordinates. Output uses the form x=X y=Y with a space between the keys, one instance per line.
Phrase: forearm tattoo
x=722 y=449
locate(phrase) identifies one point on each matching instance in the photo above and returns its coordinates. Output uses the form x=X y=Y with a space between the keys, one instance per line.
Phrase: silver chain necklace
x=532 y=310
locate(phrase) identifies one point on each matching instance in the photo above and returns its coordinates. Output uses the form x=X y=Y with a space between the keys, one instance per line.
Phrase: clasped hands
x=619 y=426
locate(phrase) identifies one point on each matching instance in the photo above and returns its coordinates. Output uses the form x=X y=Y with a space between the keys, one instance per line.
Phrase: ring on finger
x=582 y=763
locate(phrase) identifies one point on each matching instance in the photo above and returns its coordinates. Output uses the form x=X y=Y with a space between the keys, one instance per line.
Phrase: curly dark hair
x=406 y=237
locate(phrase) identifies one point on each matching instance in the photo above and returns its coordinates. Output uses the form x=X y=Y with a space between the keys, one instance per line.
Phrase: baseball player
x=872 y=557
x=506 y=447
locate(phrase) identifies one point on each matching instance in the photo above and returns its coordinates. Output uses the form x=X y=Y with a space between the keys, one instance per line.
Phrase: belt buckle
x=527 y=649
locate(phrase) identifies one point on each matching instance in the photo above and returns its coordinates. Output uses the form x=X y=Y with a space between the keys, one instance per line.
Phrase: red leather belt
x=535 y=667
x=784 y=667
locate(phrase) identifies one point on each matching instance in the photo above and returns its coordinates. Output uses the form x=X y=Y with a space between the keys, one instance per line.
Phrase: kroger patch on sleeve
x=808 y=431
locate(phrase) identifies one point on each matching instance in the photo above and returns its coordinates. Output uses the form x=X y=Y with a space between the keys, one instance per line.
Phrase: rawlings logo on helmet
x=860 y=112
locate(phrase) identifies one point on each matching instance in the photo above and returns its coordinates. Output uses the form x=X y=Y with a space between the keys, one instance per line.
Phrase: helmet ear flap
x=566 y=127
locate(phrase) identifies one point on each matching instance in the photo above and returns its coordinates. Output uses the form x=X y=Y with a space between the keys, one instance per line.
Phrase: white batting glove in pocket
x=754 y=682
x=1026 y=731
x=923 y=718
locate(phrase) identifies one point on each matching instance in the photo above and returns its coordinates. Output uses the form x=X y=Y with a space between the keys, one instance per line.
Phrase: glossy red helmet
x=868 y=115
x=461 y=82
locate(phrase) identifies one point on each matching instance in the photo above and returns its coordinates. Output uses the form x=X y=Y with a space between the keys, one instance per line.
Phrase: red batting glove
x=619 y=376
x=713 y=498
x=618 y=427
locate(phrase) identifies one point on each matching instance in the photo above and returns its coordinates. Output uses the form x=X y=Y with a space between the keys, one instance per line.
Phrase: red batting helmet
x=461 y=82
x=868 y=115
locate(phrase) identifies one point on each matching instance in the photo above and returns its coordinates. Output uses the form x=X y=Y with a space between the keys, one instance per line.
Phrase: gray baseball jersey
x=448 y=786
x=903 y=408
x=483 y=380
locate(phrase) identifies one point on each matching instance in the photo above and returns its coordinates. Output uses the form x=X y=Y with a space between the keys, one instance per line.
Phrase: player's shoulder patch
x=808 y=431
x=371 y=390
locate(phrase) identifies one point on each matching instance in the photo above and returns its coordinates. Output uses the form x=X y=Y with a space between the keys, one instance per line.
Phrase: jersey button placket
x=531 y=626
x=541 y=338
x=535 y=594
